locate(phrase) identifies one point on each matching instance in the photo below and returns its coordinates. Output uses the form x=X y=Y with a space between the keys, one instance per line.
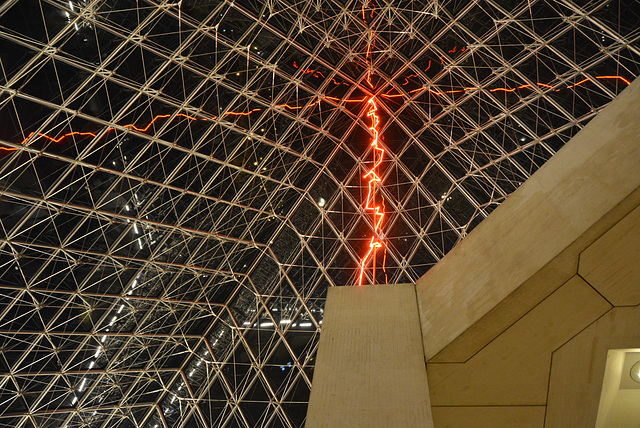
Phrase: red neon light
x=406 y=79
x=374 y=178
x=628 y=82
x=370 y=41
x=287 y=106
x=318 y=74
x=350 y=100
x=365 y=4
x=244 y=113
x=474 y=88
x=139 y=129
x=369 y=44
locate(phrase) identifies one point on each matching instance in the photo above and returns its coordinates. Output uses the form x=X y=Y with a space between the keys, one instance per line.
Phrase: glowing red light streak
x=406 y=79
x=628 y=82
x=370 y=42
x=353 y=100
x=583 y=81
x=364 y=5
x=158 y=117
x=374 y=179
x=244 y=113
x=474 y=88
x=349 y=100
x=62 y=137
x=318 y=74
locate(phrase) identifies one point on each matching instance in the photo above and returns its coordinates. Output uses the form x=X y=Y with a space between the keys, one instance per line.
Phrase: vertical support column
x=370 y=369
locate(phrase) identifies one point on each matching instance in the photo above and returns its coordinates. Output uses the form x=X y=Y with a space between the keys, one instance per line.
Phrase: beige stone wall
x=543 y=288
x=552 y=210
x=370 y=369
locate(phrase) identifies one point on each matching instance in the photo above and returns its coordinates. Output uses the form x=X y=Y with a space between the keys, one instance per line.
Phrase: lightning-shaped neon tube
x=374 y=178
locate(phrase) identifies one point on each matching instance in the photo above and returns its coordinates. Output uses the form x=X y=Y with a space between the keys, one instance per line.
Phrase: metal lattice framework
x=180 y=182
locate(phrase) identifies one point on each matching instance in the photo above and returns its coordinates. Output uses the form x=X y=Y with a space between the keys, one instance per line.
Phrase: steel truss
x=180 y=182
